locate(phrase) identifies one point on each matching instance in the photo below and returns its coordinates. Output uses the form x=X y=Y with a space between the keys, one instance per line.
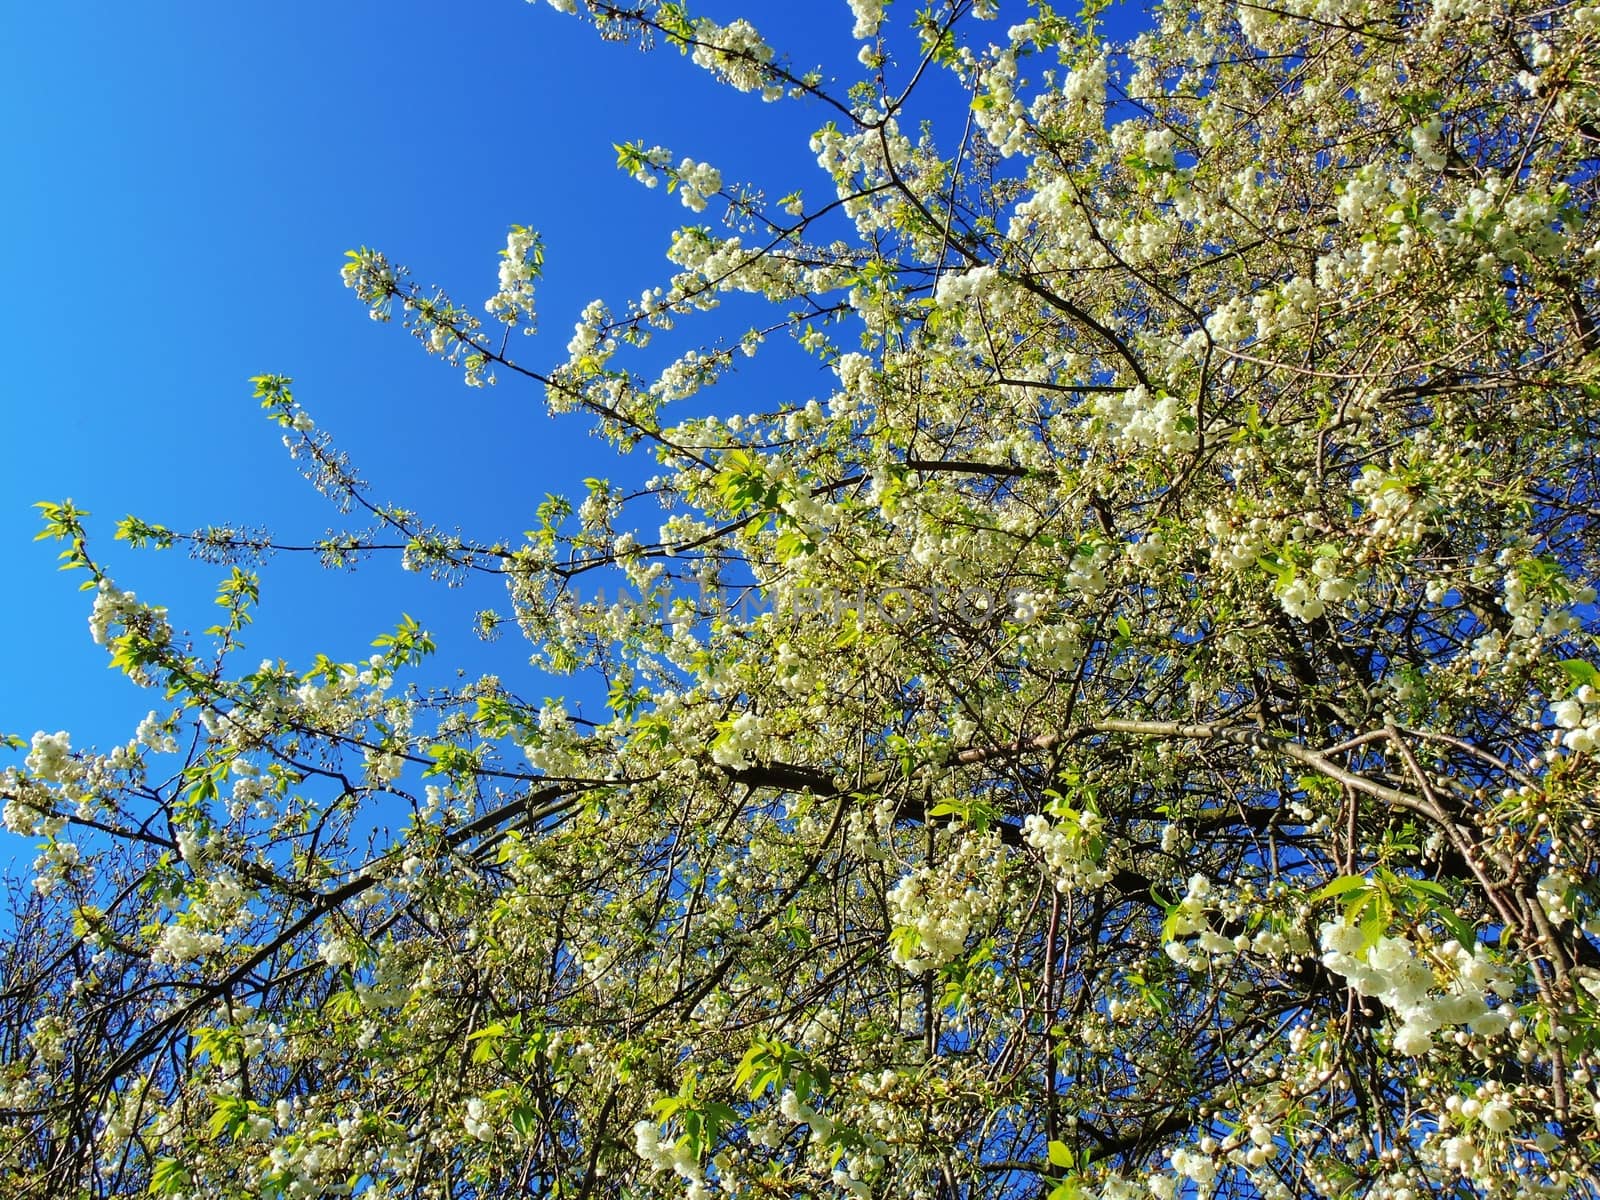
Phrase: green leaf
x=1581 y=673
x=232 y=1112
x=1061 y=1155
x=1375 y=926
x=167 y=1177
x=1339 y=886
x=1425 y=887
x=1273 y=565
x=1460 y=929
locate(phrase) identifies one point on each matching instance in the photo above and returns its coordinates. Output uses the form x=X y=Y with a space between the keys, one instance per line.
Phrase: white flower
x=1389 y=954
x=1552 y=893
x=181 y=943
x=1146 y=552
x=735 y=52
x=1412 y=1040
x=697 y=182
x=933 y=910
x=1490 y=1024
x=1299 y=601
x=336 y=952
x=740 y=737
x=1339 y=937
x=1197 y=1167
x=868 y=15
x=476 y=1123
x=1088 y=84
x=190 y=848
x=1497 y=1116
x=152 y=734
x=50 y=756
x=1158 y=147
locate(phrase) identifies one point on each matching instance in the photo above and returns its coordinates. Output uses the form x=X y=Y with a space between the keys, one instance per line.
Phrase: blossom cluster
x=868 y=15
x=1578 y=717
x=1193 y=939
x=1135 y=419
x=737 y=54
x=1306 y=599
x=1072 y=848
x=737 y=740
x=182 y=941
x=933 y=910
x=30 y=807
x=696 y=182
x=520 y=265
x=1390 y=970
x=114 y=607
x=670 y=1154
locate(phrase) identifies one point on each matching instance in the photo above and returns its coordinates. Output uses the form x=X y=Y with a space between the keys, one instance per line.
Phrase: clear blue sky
x=184 y=180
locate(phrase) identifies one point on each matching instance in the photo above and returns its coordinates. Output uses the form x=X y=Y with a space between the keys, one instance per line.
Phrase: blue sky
x=185 y=179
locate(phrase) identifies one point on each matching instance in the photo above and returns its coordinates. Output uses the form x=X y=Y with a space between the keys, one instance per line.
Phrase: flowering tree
x=1132 y=732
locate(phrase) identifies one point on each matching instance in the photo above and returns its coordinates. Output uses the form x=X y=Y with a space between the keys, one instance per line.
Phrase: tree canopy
x=1129 y=731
